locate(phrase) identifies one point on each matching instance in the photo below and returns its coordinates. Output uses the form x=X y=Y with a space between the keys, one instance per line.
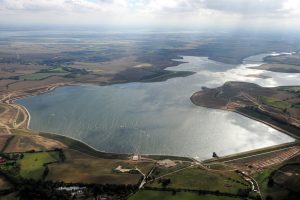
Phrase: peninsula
x=278 y=107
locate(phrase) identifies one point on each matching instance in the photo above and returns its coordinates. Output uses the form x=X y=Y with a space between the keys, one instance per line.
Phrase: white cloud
x=256 y=8
x=147 y=11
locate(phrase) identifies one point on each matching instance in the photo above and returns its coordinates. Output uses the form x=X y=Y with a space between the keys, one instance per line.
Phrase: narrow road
x=173 y=172
x=144 y=178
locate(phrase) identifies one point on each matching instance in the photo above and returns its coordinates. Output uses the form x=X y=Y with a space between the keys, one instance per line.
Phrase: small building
x=121 y=169
x=136 y=157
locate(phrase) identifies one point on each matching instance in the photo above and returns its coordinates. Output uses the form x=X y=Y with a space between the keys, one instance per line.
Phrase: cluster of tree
x=64 y=70
x=28 y=189
x=15 y=156
x=237 y=181
x=61 y=155
x=45 y=173
x=11 y=167
x=244 y=192
x=31 y=189
x=112 y=189
x=164 y=182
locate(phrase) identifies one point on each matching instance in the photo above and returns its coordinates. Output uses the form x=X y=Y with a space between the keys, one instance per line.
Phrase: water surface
x=158 y=118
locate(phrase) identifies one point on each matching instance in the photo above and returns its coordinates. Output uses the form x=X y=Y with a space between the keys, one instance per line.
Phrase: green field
x=160 y=171
x=276 y=103
x=39 y=76
x=199 y=179
x=32 y=164
x=82 y=168
x=55 y=70
x=164 y=195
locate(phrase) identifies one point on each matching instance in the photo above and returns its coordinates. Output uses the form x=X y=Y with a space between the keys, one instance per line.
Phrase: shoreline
x=248 y=116
x=10 y=100
x=267 y=123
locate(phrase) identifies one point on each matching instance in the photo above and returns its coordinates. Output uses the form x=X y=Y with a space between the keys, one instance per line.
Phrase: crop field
x=199 y=179
x=39 y=76
x=82 y=168
x=23 y=143
x=276 y=103
x=166 y=195
x=32 y=165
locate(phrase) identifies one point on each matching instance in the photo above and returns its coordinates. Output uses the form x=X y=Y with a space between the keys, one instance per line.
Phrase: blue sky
x=177 y=13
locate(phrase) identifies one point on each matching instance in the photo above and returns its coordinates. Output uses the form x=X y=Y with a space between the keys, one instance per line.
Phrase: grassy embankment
x=260 y=116
x=84 y=148
x=250 y=153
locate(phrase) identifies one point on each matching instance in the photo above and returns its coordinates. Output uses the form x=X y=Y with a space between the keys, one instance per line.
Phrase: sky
x=153 y=13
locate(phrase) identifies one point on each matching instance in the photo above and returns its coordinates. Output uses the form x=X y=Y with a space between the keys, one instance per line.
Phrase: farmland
x=38 y=76
x=196 y=178
x=89 y=169
x=27 y=141
x=31 y=66
x=275 y=103
x=32 y=165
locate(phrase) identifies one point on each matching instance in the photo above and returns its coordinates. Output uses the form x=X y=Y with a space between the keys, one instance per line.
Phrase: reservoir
x=158 y=117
